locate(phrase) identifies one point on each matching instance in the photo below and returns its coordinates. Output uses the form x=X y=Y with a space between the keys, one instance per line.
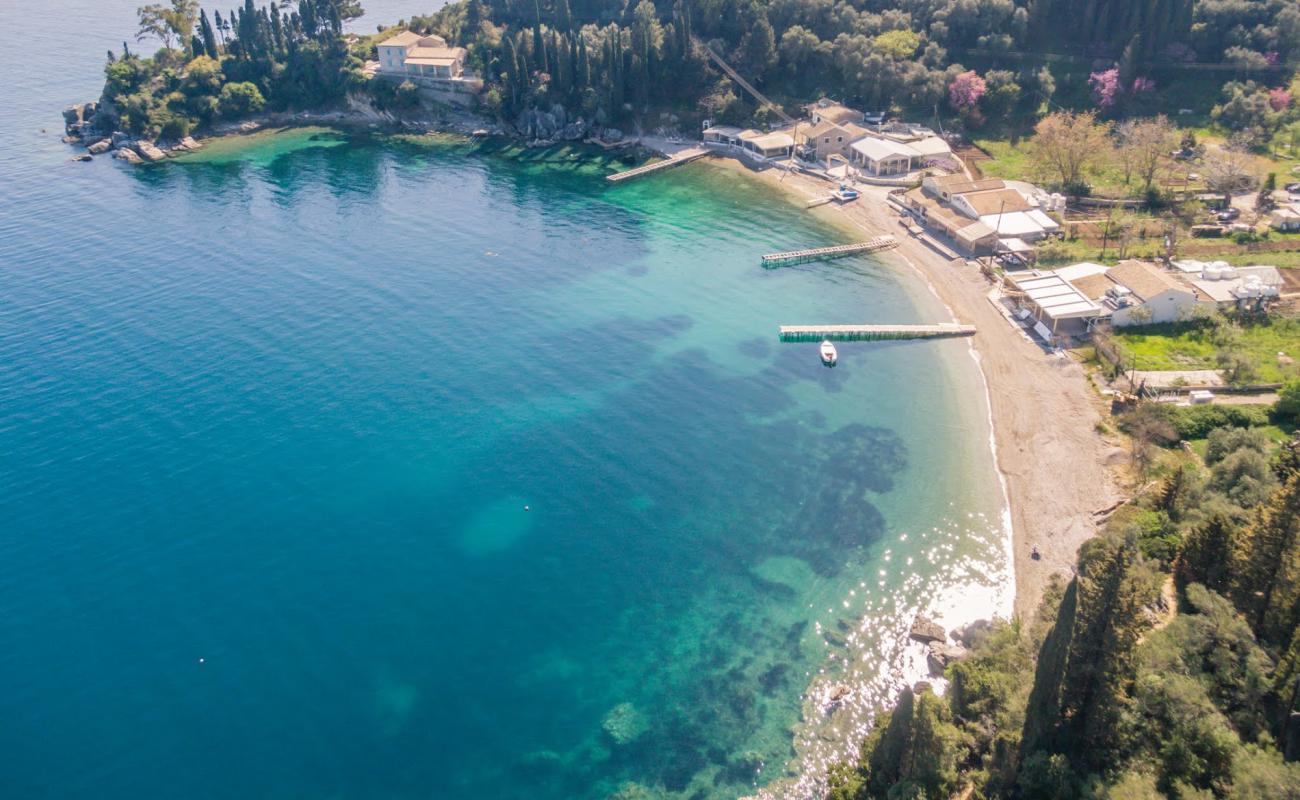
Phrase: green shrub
x=1196 y=422
x=1288 y=400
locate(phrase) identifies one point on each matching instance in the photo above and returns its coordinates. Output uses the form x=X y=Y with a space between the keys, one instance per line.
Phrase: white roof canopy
x=1057 y=297
x=883 y=149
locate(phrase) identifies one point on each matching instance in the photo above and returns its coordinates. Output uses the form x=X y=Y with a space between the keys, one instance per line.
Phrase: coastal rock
x=100 y=147
x=120 y=139
x=573 y=131
x=75 y=116
x=926 y=630
x=610 y=135
x=128 y=155
x=972 y=632
x=149 y=151
x=250 y=126
x=83 y=157
x=940 y=655
x=189 y=143
x=624 y=724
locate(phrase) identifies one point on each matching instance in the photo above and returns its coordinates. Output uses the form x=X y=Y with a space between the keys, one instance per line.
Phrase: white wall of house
x=1171 y=305
x=392 y=59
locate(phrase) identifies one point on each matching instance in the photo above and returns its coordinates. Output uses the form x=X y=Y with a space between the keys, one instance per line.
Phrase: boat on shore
x=845 y=194
x=830 y=356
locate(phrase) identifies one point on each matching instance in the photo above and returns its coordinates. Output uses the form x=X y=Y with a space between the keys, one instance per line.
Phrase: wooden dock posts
x=826 y=253
x=871 y=333
x=676 y=159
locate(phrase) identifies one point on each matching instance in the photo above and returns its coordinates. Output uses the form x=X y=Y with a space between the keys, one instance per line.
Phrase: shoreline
x=1042 y=411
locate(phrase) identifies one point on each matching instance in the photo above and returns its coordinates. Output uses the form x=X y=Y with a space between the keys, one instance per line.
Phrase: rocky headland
x=95 y=126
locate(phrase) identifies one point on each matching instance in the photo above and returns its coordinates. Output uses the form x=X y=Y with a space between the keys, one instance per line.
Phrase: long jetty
x=675 y=160
x=870 y=333
x=826 y=253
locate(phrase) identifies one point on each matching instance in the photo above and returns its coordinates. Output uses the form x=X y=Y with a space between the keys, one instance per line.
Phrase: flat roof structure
x=995 y=201
x=770 y=141
x=931 y=146
x=724 y=130
x=881 y=149
x=1056 y=297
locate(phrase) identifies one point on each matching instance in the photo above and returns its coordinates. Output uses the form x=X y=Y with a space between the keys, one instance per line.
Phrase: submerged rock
x=83 y=157
x=633 y=791
x=624 y=724
x=926 y=630
x=940 y=655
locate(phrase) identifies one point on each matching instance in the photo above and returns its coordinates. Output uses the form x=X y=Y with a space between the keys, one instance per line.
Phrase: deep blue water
x=342 y=466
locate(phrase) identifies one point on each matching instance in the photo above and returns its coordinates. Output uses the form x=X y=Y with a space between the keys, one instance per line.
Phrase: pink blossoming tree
x=966 y=90
x=1105 y=87
x=1279 y=99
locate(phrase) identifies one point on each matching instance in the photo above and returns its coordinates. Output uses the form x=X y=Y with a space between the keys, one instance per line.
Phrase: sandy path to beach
x=1044 y=411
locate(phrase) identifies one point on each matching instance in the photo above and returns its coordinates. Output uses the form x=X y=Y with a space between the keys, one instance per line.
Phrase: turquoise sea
x=346 y=466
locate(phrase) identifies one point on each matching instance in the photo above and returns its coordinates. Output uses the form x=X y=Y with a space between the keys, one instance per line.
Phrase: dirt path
x=1044 y=412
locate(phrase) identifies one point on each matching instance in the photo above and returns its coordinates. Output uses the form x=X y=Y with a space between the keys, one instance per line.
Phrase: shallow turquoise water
x=350 y=467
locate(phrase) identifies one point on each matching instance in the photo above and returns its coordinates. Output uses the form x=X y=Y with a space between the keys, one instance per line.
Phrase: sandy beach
x=1044 y=412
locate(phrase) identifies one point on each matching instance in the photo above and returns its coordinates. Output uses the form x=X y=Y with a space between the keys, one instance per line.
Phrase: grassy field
x=1269 y=345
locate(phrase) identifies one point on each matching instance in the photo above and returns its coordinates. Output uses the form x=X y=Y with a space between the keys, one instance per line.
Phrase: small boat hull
x=830 y=357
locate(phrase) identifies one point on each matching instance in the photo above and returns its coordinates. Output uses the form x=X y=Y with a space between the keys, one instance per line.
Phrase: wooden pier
x=871 y=333
x=826 y=253
x=676 y=159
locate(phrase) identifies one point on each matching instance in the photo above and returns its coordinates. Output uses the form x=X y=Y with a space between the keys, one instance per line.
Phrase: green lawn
x=1197 y=346
x=1011 y=162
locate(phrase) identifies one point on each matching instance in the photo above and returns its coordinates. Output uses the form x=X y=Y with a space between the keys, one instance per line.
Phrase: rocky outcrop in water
x=149 y=151
x=925 y=630
x=128 y=155
x=100 y=147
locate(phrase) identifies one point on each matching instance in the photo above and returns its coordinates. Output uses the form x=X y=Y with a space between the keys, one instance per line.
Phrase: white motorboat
x=845 y=194
x=829 y=354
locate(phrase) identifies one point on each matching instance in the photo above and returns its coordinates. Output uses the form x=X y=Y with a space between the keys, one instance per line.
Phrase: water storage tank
x=1228 y=272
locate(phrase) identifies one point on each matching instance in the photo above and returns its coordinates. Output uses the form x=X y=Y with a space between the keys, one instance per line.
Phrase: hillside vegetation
x=1169 y=666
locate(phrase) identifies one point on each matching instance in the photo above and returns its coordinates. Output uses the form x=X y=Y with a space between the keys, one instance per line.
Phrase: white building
x=1285 y=218
x=409 y=54
x=882 y=157
x=1145 y=294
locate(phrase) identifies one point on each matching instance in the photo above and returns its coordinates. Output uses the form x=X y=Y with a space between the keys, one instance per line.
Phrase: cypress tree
x=583 y=76
x=563 y=16
x=539 y=49
x=277 y=30
x=1265 y=568
x=209 y=36
x=1206 y=554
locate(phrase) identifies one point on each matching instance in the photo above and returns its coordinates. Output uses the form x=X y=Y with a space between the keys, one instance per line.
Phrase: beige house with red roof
x=411 y=55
